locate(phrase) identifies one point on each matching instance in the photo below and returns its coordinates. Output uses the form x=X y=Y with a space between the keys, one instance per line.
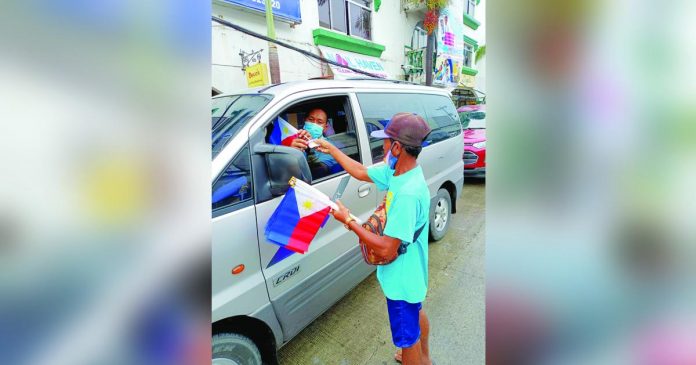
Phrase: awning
x=369 y=64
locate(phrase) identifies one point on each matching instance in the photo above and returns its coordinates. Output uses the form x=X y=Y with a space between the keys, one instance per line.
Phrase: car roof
x=291 y=87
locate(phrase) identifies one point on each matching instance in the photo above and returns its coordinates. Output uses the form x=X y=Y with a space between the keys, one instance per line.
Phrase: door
x=234 y=242
x=302 y=286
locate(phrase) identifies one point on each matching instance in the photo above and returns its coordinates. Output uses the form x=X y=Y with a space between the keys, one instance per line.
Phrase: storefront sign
x=283 y=9
x=257 y=75
x=467 y=81
x=369 y=64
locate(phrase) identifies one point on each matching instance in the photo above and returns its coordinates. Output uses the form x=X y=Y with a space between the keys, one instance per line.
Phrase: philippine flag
x=283 y=132
x=298 y=218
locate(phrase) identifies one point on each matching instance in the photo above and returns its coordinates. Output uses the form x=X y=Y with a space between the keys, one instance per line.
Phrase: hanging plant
x=436 y=4
x=430 y=20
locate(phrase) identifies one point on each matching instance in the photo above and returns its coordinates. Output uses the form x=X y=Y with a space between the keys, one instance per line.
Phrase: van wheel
x=234 y=349
x=440 y=215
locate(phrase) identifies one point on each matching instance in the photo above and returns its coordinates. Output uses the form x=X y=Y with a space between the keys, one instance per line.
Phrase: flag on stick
x=298 y=218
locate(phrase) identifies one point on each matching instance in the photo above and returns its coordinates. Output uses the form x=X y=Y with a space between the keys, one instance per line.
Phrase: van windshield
x=231 y=113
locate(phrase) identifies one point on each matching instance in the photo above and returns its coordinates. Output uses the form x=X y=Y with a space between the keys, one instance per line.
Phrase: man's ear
x=398 y=147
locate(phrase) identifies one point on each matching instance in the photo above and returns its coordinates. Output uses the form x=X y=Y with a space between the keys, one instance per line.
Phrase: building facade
x=385 y=38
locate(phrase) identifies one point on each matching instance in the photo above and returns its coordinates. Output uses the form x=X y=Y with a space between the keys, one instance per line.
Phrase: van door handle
x=364 y=190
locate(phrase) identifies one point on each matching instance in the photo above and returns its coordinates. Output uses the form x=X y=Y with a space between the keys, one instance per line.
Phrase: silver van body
x=273 y=299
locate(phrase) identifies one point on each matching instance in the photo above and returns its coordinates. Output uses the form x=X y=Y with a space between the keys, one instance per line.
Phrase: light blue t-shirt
x=408 y=208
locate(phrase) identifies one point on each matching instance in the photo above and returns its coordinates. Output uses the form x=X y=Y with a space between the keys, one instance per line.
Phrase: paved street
x=356 y=329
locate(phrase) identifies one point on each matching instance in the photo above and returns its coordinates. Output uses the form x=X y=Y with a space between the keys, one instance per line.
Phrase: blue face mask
x=391 y=160
x=315 y=130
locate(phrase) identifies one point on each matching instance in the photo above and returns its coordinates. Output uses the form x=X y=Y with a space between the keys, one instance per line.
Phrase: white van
x=260 y=306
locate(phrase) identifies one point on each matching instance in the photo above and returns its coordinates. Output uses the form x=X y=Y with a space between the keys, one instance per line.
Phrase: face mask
x=315 y=130
x=391 y=160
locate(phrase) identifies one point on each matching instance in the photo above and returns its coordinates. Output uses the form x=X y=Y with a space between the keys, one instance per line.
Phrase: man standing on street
x=405 y=280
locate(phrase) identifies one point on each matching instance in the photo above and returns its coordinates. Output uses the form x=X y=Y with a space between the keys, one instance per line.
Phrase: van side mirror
x=282 y=163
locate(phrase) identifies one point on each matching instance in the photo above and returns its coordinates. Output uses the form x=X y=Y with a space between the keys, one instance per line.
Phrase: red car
x=473 y=118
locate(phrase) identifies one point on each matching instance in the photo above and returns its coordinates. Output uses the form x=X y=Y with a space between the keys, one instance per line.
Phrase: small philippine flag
x=283 y=132
x=296 y=221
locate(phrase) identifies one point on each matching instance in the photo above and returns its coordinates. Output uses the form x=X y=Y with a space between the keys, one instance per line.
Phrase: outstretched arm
x=354 y=168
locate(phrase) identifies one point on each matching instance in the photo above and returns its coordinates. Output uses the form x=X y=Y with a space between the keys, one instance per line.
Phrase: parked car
x=473 y=119
x=260 y=306
x=463 y=96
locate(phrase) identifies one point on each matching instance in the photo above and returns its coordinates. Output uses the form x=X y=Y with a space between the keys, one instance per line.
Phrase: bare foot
x=397 y=356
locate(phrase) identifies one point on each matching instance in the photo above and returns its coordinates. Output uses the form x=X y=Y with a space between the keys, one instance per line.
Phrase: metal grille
x=470 y=157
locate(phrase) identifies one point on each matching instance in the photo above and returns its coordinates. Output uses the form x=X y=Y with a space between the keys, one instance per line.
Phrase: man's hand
x=299 y=143
x=324 y=146
x=342 y=213
x=304 y=135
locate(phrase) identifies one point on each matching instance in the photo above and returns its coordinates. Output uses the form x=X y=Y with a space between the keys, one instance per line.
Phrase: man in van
x=315 y=126
x=405 y=280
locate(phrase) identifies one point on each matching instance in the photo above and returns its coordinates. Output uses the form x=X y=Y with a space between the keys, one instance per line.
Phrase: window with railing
x=414 y=53
x=353 y=17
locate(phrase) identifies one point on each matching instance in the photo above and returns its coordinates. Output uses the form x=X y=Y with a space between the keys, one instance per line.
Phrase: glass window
x=477 y=120
x=324 y=14
x=377 y=110
x=340 y=131
x=323 y=165
x=468 y=54
x=338 y=15
x=353 y=17
x=234 y=184
x=470 y=6
x=230 y=114
x=360 y=18
x=442 y=117
x=419 y=39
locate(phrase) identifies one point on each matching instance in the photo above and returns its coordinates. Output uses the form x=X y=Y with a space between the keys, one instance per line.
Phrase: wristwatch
x=350 y=219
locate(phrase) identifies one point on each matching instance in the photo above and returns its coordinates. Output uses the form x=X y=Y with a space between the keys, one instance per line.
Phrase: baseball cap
x=407 y=128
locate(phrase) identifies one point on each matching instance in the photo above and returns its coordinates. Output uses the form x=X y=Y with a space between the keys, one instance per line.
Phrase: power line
x=302 y=51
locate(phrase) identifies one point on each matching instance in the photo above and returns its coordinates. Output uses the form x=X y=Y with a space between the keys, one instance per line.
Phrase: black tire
x=440 y=215
x=235 y=349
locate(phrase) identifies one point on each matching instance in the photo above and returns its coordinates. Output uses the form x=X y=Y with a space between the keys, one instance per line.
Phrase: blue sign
x=283 y=9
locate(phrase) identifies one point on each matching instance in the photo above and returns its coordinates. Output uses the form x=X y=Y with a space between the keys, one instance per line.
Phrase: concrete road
x=356 y=329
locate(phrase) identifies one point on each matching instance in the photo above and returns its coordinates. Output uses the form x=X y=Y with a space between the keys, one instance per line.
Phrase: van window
x=442 y=118
x=230 y=114
x=340 y=131
x=378 y=108
x=234 y=186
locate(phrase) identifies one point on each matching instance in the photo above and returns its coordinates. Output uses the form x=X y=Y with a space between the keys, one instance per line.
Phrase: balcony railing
x=413 y=60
